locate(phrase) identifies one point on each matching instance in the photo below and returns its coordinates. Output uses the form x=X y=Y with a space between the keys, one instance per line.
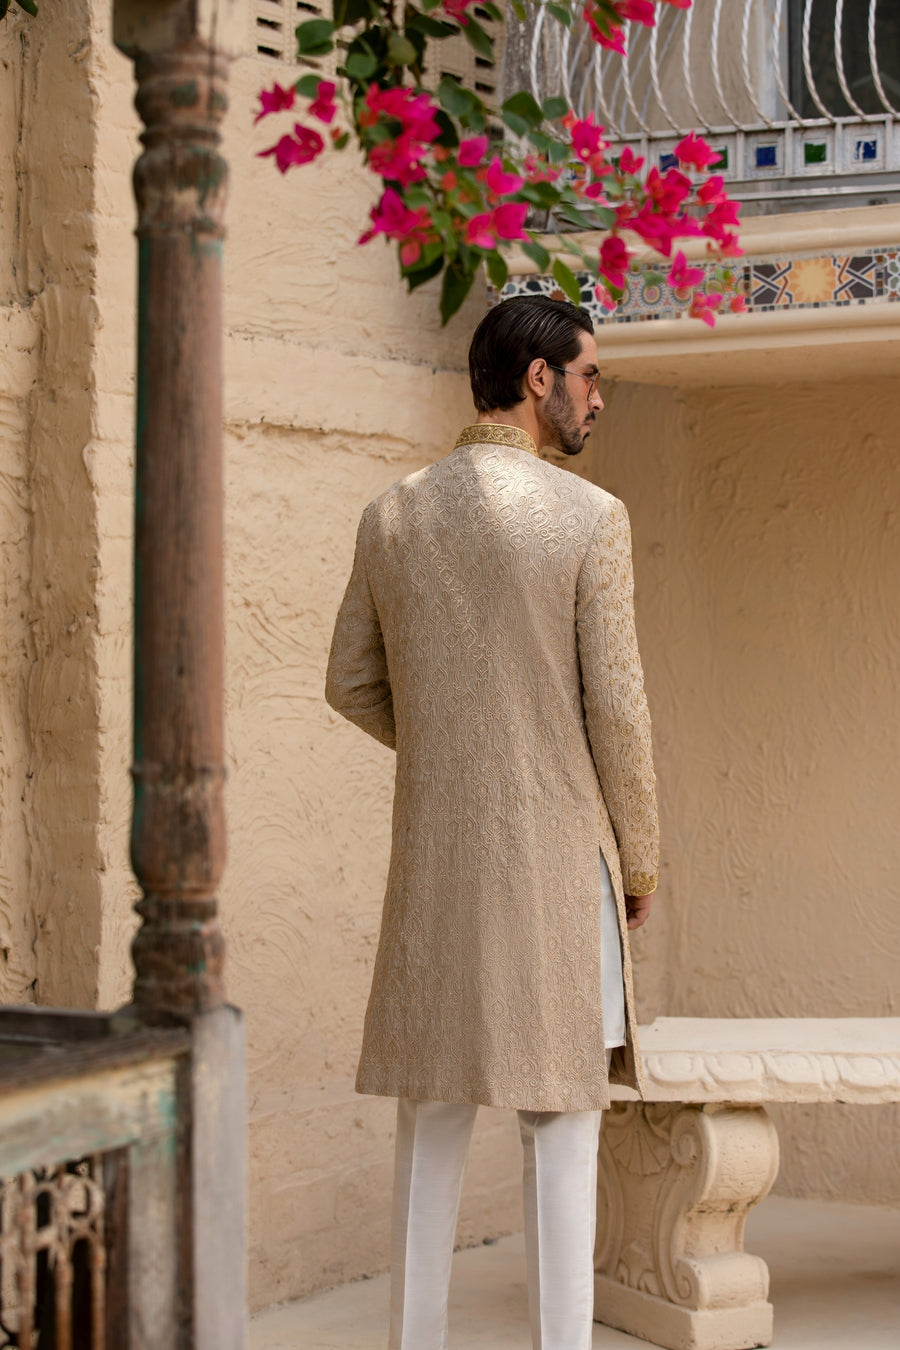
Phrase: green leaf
x=538 y=254
x=29 y=7
x=555 y=108
x=479 y=40
x=400 y=51
x=456 y=100
x=497 y=270
x=417 y=276
x=342 y=140
x=449 y=137
x=654 y=278
x=524 y=106
x=518 y=125
x=566 y=279
x=561 y=14
x=314 y=37
x=573 y=216
x=604 y=217
x=544 y=195
x=442 y=221
x=4 y=6
x=559 y=153
x=361 y=65
x=458 y=280
x=308 y=86
x=435 y=28
x=491 y=10
x=540 y=141
x=518 y=9
x=348 y=12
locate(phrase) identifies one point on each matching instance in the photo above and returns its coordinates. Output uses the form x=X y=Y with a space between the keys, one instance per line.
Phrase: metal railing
x=801 y=97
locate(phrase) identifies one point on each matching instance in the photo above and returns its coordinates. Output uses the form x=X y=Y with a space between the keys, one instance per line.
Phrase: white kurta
x=487 y=633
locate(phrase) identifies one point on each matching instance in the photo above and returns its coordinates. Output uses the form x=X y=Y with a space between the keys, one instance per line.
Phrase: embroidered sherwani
x=487 y=633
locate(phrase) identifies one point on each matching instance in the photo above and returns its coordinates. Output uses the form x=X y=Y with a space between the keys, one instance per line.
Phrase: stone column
x=675 y=1185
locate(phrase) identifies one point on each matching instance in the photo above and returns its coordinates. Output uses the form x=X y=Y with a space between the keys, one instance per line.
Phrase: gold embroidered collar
x=496 y=433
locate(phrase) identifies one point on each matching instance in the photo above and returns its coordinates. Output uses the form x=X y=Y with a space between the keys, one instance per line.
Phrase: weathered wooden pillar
x=180 y=50
x=178 y=835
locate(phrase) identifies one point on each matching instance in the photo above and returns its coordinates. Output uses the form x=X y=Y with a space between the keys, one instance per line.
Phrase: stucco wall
x=762 y=536
x=767 y=558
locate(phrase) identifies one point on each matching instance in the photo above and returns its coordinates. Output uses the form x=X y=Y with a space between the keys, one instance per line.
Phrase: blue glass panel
x=668 y=161
x=865 y=150
x=766 y=156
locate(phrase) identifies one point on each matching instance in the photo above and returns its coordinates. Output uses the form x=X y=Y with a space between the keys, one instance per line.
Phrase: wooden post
x=178 y=832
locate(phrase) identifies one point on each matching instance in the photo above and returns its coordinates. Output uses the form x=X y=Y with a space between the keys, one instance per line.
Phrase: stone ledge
x=755 y=1060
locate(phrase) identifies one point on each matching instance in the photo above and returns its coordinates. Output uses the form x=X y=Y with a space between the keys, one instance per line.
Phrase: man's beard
x=561 y=421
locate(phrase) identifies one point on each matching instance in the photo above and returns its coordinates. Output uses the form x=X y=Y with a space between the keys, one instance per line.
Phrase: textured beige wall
x=755 y=512
x=767 y=555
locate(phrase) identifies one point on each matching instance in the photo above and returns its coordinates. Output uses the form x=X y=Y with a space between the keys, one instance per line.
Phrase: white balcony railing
x=801 y=97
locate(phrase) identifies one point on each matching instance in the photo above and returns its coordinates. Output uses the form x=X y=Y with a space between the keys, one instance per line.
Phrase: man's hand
x=637 y=908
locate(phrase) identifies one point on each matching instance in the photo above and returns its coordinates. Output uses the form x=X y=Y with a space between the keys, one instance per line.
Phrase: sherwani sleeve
x=357 y=684
x=615 y=707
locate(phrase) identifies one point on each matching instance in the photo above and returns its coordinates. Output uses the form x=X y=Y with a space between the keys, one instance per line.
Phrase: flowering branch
x=453 y=199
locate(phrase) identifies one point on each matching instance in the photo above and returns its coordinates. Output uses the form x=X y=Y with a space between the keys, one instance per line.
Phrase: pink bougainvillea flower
x=738 y=304
x=604 y=296
x=508 y=220
x=728 y=246
x=323 y=105
x=704 y=307
x=479 y=231
x=629 y=162
x=449 y=181
x=682 y=277
x=456 y=9
x=668 y=191
x=614 y=260
x=694 y=150
x=393 y=218
x=398 y=161
x=274 y=100
x=472 y=151
x=711 y=192
x=614 y=40
x=638 y=11
x=587 y=139
x=656 y=230
x=678 y=4
x=303 y=146
x=501 y=182
x=414 y=111
x=597 y=193
x=723 y=214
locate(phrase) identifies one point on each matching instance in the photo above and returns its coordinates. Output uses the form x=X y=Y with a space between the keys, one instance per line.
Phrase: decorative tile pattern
x=804 y=281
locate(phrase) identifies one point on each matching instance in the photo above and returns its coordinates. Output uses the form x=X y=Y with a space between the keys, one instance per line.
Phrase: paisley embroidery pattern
x=487 y=633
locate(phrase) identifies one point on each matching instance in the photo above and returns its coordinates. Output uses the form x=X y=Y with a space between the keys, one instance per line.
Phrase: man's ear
x=538 y=377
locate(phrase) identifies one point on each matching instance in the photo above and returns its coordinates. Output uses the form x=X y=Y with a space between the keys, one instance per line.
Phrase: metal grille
x=53 y=1258
x=801 y=97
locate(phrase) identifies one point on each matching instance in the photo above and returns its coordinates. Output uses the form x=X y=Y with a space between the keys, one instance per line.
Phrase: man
x=487 y=633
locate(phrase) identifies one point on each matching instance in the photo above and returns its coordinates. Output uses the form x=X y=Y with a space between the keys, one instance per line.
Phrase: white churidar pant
x=559 y=1189
x=560 y=1201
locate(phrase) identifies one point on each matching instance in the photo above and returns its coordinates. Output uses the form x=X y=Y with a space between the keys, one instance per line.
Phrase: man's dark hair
x=511 y=336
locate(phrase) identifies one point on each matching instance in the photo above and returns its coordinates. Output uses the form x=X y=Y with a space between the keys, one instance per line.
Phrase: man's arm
x=357 y=684
x=618 y=722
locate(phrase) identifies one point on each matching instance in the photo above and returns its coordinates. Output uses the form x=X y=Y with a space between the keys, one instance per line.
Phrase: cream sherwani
x=487 y=633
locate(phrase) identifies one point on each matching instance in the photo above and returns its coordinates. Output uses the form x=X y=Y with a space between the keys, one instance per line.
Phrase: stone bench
x=680 y=1170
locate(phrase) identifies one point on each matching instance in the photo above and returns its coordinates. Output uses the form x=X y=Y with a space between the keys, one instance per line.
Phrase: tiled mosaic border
x=804 y=281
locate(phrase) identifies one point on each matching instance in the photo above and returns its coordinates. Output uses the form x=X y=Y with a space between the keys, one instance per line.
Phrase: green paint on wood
x=186 y=95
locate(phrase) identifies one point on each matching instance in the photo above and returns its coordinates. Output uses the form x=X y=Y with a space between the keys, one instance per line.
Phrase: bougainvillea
x=454 y=194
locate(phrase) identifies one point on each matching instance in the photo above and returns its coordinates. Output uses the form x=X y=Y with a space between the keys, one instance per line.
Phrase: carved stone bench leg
x=675 y=1185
